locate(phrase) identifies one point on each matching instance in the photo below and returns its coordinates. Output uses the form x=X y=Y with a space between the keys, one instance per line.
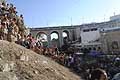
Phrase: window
x=86 y=30
x=94 y=29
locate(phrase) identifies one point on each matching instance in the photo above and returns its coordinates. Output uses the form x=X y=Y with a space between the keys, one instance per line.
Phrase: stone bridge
x=73 y=33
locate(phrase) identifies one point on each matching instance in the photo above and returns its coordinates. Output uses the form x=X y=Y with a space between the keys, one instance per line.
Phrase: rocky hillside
x=19 y=63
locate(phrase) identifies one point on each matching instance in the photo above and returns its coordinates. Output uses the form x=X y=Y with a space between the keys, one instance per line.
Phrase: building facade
x=110 y=39
x=78 y=33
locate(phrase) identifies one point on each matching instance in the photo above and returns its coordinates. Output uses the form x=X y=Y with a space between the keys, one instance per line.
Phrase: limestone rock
x=19 y=63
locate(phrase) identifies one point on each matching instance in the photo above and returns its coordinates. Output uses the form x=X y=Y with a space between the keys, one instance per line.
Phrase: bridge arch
x=66 y=32
x=42 y=36
x=65 y=35
x=54 y=37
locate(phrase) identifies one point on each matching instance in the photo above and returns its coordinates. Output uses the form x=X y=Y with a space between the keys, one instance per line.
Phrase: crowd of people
x=83 y=65
x=12 y=29
x=12 y=26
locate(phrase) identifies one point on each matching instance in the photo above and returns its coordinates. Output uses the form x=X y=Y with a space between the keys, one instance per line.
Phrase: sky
x=44 y=13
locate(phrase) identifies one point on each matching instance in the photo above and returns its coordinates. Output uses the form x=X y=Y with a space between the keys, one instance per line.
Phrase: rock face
x=19 y=63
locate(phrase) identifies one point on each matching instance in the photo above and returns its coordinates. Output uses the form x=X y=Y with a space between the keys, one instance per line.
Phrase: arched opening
x=41 y=36
x=54 y=39
x=65 y=35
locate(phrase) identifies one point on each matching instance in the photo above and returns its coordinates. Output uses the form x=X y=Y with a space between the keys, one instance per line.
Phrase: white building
x=115 y=17
x=90 y=35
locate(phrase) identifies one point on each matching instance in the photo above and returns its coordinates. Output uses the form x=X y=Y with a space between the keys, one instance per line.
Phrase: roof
x=111 y=29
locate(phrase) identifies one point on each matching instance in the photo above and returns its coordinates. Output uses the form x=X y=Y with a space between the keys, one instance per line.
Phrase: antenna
x=47 y=23
x=71 y=21
x=104 y=17
x=114 y=13
x=82 y=20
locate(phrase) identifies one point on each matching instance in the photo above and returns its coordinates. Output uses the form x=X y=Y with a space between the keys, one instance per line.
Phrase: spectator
x=98 y=74
x=116 y=77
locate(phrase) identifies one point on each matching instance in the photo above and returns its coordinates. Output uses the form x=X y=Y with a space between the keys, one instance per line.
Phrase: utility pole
x=104 y=17
x=114 y=14
x=71 y=21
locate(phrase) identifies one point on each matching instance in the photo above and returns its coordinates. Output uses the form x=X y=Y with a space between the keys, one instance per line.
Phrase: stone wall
x=111 y=41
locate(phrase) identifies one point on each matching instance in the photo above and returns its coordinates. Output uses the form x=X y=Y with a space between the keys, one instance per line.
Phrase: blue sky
x=43 y=13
